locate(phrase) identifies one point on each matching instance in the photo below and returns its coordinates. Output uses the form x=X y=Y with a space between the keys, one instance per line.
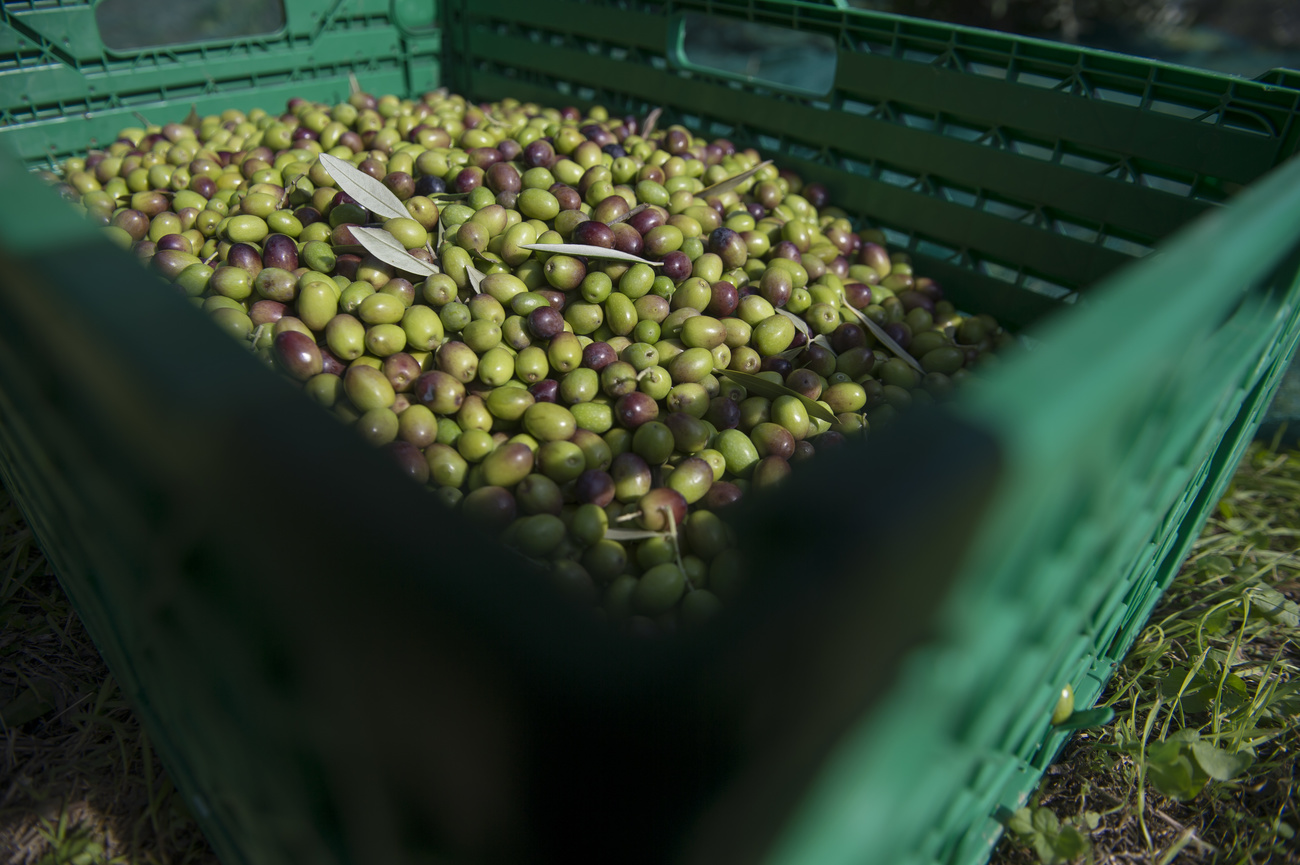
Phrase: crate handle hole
x=793 y=61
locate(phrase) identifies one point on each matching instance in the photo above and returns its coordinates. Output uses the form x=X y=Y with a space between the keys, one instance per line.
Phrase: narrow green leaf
x=1218 y=763
x=389 y=250
x=589 y=251
x=879 y=333
x=631 y=534
x=475 y=277
x=724 y=186
x=799 y=324
x=369 y=193
x=758 y=386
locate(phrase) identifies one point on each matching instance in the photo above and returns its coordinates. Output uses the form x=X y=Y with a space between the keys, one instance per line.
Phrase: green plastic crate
x=347 y=701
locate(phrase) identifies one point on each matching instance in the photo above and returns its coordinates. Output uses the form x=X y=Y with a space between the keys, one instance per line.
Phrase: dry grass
x=79 y=782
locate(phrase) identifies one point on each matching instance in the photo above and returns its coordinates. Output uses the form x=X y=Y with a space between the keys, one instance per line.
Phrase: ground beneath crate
x=79 y=776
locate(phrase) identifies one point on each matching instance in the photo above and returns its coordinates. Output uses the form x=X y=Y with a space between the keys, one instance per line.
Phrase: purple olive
x=430 y=184
x=651 y=217
x=409 y=459
x=545 y=390
x=723 y=413
x=721 y=494
x=634 y=409
x=280 y=251
x=538 y=154
x=627 y=239
x=677 y=265
x=595 y=487
x=545 y=322
x=594 y=233
x=776 y=363
x=724 y=300
x=296 y=354
x=244 y=256
x=174 y=241
x=267 y=311
x=848 y=335
x=786 y=249
x=858 y=295
x=598 y=355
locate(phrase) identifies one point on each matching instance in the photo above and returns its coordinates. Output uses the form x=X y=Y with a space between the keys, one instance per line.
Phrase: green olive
x=549 y=422
x=659 y=589
x=1064 y=705
x=368 y=388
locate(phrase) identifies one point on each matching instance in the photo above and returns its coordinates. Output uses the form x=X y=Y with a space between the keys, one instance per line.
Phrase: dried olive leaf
x=650 y=120
x=369 y=193
x=631 y=213
x=631 y=534
x=879 y=333
x=759 y=386
x=387 y=249
x=731 y=182
x=589 y=251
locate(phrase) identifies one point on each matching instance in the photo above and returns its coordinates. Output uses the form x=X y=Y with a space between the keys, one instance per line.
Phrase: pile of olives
x=718 y=322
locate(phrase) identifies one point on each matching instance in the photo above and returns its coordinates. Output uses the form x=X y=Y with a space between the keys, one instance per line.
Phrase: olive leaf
x=354 y=86
x=759 y=386
x=631 y=534
x=193 y=120
x=800 y=325
x=731 y=183
x=369 y=193
x=387 y=249
x=631 y=213
x=879 y=333
x=650 y=120
x=475 y=277
x=589 y=251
